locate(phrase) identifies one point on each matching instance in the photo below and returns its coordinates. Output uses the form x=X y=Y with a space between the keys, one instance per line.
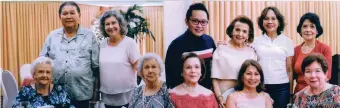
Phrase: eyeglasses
x=196 y=22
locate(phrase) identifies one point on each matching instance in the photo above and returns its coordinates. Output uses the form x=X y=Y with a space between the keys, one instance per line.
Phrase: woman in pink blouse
x=250 y=88
x=190 y=94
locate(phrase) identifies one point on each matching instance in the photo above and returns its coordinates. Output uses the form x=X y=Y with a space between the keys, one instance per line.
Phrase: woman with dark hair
x=75 y=53
x=275 y=51
x=117 y=61
x=250 y=88
x=318 y=93
x=228 y=58
x=309 y=29
x=190 y=94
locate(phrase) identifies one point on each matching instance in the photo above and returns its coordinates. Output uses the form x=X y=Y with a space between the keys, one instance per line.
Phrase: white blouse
x=272 y=56
x=227 y=61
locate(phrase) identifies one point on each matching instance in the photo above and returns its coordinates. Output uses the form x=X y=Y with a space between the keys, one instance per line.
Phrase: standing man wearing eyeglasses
x=193 y=40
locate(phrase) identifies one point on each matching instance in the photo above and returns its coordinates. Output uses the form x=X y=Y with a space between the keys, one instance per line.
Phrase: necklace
x=186 y=87
x=307 y=49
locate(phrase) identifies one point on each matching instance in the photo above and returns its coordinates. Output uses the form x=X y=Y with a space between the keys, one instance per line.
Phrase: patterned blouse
x=329 y=98
x=57 y=97
x=159 y=100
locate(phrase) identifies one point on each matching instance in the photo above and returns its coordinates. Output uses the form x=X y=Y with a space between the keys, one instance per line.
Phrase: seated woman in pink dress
x=190 y=94
x=249 y=88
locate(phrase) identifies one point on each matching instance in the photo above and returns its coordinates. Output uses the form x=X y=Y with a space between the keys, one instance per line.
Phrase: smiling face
x=112 y=27
x=314 y=75
x=69 y=16
x=192 y=70
x=197 y=28
x=308 y=30
x=270 y=22
x=251 y=78
x=43 y=74
x=240 y=33
x=151 y=70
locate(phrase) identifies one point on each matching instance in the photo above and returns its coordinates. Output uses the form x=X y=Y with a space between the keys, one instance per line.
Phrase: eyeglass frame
x=199 y=22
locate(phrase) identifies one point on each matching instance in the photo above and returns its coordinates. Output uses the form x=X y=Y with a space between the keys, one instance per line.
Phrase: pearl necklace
x=186 y=87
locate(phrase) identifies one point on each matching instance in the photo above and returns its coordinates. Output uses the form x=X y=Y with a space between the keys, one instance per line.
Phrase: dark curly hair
x=314 y=18
x=279 y=17
x=242 y=19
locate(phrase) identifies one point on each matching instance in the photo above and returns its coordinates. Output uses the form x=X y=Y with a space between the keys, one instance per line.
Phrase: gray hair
x=149 y=56
x=121 y=21
x=41 y=60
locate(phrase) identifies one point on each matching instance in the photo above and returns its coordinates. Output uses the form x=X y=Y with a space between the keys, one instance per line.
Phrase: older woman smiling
x=154 y=93
x=319 y=93
x=42 y=92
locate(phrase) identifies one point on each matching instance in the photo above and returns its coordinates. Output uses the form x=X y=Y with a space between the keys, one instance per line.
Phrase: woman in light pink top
x=249 y=88
x=228 y=58
x=190 y=94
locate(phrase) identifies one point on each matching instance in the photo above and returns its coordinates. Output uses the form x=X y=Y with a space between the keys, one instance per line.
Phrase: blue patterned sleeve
x=22 y=96
x=65 y=99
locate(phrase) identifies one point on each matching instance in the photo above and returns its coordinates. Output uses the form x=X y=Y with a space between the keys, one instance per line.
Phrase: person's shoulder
x=205 y=91
x=233 y=95
x=207 y=37
x=129 y=39
x=322 y=45
x=85 y=30
x=55 y=32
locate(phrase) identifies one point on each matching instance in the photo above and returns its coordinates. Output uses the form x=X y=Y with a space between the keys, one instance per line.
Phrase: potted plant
x=137 y=25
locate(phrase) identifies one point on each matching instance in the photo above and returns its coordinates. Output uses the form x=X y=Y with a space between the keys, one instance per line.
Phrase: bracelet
x=218 y=97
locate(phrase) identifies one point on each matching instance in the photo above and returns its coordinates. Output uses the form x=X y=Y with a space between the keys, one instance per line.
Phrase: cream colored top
x=227 y=61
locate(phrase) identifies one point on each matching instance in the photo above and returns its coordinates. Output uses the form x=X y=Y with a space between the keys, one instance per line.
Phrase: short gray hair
x=149 y=56
x=121 y=21
x=41 y=60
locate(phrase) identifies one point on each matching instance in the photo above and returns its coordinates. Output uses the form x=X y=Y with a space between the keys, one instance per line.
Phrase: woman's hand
x=220 y=102
x=221 y=42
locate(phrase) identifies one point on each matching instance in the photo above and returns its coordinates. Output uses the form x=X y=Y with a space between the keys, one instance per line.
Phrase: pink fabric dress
x=187 y=101
x=242 y=101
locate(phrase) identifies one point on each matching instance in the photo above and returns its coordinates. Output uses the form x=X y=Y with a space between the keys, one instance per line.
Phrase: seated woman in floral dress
x=42 y=92
x=319 y=93
x=154 y=94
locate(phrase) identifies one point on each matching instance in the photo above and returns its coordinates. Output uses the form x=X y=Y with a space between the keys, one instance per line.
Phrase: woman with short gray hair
x=43 y=92
x=118 y=60
x=154 y=94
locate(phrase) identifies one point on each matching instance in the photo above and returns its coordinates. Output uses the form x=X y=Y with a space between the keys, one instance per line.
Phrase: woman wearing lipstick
x=190 y=94
x=318 y=93
x=250 y=88
x=118 y=59
x=309 y=29
x=275 y=52
x=228 y=58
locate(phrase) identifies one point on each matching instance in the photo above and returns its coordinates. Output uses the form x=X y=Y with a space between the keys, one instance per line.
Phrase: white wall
x=174 y=15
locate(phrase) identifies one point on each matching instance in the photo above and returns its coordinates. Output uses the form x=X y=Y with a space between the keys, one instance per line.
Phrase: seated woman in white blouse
x=250 y=88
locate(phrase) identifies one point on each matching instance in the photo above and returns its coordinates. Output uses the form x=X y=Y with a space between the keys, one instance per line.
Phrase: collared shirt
x=272 y=55
x=74 y=61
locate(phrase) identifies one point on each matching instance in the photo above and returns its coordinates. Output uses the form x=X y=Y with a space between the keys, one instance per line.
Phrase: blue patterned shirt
x=57 y=97
x=158 y=100
x=75 y=60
